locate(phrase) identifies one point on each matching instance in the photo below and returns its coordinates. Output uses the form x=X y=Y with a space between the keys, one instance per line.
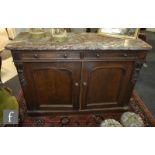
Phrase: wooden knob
x=125 y=55
x=97 y=55
x=35 y=55
x=76 y=84
x=84 y=83
x=65 y=55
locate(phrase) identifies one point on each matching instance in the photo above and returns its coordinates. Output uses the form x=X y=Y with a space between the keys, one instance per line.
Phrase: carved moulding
x=138 y=66
x=20 y=70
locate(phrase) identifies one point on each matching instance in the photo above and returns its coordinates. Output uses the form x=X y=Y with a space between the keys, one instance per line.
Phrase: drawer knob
x=84 y=83
x=97 y=55
x=125 y=55
x=65 y=55
x=35 y=55
x=76 y=84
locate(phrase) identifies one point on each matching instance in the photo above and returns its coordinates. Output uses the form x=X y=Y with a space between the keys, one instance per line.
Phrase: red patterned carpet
x=84 y=120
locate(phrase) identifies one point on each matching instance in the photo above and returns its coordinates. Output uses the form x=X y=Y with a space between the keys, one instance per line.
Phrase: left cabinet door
x=52 y=85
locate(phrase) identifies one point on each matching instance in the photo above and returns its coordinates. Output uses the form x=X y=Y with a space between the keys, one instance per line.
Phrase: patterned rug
x=84 y=120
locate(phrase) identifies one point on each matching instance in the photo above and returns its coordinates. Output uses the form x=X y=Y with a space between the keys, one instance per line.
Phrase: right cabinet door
x=106 y=83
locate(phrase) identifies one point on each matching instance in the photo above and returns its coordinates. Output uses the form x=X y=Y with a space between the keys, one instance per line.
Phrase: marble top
x=76 y=41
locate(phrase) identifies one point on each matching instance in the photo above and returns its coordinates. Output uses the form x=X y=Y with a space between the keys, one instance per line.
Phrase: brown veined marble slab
x=76 y=41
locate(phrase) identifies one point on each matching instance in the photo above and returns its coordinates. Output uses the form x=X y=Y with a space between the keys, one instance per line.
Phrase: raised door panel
x=53 y=86
x=105 y=84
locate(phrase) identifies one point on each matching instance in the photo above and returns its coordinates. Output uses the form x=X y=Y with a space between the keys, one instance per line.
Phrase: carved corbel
x=20 y=70
x=138 y=66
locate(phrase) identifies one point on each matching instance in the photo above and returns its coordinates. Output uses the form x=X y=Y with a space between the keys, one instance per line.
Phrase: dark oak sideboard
x=85 y=73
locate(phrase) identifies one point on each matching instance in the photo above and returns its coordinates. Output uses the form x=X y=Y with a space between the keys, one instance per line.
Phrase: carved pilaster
x=138 y=66
x=19 y=67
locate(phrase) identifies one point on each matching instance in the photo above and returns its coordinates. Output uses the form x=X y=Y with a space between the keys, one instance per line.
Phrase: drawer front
x=77 y=55
x=109 y=55
x=41 y=55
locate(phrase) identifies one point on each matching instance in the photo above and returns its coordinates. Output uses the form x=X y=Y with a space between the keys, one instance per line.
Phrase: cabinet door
x=106 y=83
x=52 y=85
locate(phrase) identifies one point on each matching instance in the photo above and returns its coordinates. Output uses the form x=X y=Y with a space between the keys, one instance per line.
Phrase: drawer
x=108 y=55
x=47 y=55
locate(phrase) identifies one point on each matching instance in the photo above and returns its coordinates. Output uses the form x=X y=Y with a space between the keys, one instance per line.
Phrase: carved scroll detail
x=137 y=69
x=19 y=67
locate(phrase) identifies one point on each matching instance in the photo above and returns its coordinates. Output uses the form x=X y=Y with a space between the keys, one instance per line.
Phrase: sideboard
x=86 y=73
